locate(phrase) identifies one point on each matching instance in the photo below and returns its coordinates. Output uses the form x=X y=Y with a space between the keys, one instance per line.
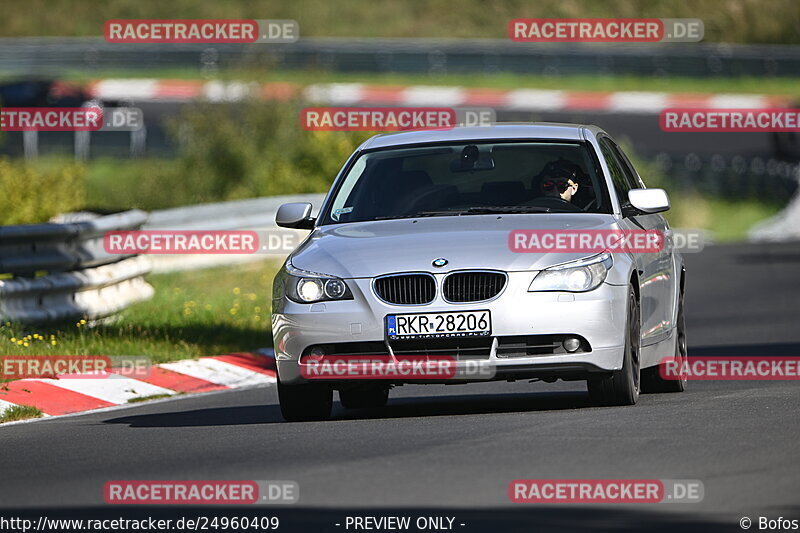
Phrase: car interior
x=402 y=183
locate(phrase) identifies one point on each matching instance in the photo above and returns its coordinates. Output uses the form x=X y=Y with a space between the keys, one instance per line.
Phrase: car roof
x=504 y=131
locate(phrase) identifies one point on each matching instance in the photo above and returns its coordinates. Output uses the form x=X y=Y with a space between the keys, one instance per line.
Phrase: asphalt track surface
x=452 y=450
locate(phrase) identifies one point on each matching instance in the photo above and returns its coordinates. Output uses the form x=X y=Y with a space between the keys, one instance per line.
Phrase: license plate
x=439 y=325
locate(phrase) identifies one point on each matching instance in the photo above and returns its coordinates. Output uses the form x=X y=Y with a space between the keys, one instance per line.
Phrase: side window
x=621 y=183
x=343 y=196
x=627 y=167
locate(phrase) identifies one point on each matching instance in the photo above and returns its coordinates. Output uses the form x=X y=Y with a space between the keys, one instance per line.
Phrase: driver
x=559 y=183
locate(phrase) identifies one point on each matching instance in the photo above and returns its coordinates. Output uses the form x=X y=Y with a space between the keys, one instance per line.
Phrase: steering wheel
x=555 y=202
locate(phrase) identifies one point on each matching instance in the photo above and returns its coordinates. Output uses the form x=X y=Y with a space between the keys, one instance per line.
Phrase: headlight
x=308 y=287
x=577 y=276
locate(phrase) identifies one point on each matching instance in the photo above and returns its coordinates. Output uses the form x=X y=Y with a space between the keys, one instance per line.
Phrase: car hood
x=368 y=249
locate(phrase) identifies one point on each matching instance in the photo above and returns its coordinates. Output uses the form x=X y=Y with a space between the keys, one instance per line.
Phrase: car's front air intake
x=473 y=286
x=406 y=289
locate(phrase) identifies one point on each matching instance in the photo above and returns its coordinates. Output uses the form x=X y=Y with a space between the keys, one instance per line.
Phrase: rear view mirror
x=649 y=200
x=295 y=215
x=471 y=159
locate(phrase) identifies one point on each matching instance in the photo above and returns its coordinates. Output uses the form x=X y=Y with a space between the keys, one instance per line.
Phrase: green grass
x=19 y=412
x=141 y=399
x=759 y=21
x=193 y=314
x=120 y=184
x=727 y=220
x=731 y=220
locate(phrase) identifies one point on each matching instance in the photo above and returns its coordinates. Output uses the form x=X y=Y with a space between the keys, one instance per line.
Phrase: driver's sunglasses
x=560 y=185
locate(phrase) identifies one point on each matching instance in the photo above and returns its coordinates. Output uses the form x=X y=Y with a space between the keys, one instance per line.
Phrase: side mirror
x=649 y=200
x=296 y=215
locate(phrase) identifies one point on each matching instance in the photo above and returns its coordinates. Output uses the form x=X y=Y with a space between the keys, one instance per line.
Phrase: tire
x=622 y=387
x=651 y=377
x=302 y=403
x=364 y=397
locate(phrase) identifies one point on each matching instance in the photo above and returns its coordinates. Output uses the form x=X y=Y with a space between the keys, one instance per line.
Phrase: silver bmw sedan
x=513 y=251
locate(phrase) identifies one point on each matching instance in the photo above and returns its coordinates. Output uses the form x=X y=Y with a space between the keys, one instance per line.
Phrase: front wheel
x=622 y=386
x=308 y=401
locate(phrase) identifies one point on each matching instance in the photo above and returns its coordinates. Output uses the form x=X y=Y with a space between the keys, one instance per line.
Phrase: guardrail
x=56 y=55
x=252 y=214
x=59 y=270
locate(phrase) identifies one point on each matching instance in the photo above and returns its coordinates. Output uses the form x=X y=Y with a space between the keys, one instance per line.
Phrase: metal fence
x=251 y=214
x=52 y=56
x=732 y=177
x=60 y=271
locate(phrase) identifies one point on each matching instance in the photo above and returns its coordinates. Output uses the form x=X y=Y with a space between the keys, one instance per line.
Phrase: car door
x=655 y=269
x=664 y=278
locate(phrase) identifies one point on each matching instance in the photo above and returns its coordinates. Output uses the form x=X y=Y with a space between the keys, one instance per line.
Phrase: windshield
x=470 y=178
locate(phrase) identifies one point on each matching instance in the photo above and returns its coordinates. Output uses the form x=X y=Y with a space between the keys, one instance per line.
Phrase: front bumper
x=598 y=317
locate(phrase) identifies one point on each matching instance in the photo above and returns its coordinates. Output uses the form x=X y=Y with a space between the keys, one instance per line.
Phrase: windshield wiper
x=488 y=210
x=509 y=209
x=477 y=210
x=417 y=215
